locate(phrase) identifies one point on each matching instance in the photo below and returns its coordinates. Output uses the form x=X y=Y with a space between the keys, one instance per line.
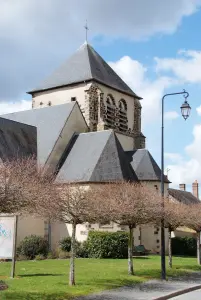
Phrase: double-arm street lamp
x=185 y=111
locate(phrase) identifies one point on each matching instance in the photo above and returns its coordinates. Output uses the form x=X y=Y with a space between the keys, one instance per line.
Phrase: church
x=85 y=123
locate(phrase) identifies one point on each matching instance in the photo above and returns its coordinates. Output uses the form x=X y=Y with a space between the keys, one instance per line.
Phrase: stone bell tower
x=105 y=100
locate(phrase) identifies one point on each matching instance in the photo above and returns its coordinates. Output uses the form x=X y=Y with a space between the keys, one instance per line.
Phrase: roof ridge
x=88 y=47
x=126 y=160
x=153 y=162
x=144 y=153
x=98 y=160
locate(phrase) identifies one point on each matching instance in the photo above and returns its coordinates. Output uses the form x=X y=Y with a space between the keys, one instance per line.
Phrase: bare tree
x=74 y=206
x=174 y=216
x=193 y=221
x=129 y=204
x=22 y=186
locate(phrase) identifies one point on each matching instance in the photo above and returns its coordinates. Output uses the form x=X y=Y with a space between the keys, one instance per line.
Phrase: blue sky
x=156 y=51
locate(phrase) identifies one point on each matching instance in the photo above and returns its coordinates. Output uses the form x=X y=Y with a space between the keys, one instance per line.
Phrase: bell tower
x=105 y=100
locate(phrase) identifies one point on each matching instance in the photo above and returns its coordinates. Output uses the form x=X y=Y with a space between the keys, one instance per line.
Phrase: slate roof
x=183 y=196
x=145 y=166
x=17 y=139
x=96 y=157
x=49 y=122
x=85 y=65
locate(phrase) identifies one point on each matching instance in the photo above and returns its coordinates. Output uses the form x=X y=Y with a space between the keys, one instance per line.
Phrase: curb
x=180 y=292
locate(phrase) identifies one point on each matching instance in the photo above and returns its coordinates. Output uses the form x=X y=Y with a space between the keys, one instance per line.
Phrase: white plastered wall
x=74 y=124
x=151 y=235
x=61 y=95
x=28 y=226
x=125 y=141
x=146 y=236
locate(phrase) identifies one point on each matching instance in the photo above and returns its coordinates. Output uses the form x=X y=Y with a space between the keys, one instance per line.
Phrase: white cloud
x=187 y=170
x=171 y=115
x=135 y=75
x=198 y=109
x=183 y=169
x=9 y=107
x=174 y=157
x=186 y=67
x=36 y=36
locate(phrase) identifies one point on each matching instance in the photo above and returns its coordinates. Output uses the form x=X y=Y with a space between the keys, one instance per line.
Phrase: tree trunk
x=130 y=251
x=198 y=249
x=72 y=258
x=170 y=246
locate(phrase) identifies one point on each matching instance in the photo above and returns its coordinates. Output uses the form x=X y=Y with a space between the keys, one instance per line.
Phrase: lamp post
x=185 y=111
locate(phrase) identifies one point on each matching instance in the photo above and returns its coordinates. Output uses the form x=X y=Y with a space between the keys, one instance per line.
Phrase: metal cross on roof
x=86 y=28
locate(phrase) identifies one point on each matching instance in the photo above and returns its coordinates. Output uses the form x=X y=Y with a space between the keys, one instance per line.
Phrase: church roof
x=96 y=157
x=17 y=140
x=145 y=166
x=83 y=66
x=49 y=122
x=183 y=196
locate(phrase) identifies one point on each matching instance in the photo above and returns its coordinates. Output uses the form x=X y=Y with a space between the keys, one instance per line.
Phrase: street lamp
x=185 y=111
x=185 y=108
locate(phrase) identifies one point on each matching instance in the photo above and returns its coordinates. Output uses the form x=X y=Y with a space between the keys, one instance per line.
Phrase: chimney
x=182 y=187
x=195 y=188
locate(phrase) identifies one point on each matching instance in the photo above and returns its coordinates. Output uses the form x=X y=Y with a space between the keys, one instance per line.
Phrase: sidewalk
x=154 y=289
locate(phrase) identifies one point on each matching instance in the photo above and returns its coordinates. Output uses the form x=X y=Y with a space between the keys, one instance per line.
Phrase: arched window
x=110 y=111
x=123 y=120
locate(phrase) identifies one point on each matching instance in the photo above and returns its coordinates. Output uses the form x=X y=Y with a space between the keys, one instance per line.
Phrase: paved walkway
x=149 y=290
x=196 y=295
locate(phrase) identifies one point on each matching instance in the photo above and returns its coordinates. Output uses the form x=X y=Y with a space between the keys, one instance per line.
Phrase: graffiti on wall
x=6 y=236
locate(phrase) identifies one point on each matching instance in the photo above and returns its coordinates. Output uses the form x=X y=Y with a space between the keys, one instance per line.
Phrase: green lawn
x=48 y=280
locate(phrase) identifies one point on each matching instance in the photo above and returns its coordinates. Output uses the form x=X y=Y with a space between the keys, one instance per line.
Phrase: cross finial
x=86 y=28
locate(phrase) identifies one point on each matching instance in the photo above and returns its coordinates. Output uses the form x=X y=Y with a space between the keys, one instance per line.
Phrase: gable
x=50 y=123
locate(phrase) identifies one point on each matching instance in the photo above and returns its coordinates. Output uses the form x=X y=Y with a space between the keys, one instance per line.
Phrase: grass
x=48 y=279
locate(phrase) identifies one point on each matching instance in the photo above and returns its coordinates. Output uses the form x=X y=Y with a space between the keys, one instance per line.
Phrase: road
x=196 y=295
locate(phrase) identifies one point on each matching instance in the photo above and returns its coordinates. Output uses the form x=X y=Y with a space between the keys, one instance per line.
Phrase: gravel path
x=148 y=290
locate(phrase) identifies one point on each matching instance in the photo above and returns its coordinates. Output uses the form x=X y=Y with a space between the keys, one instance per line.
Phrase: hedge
x=32 y=246
x=184 y=246
x=107 y=244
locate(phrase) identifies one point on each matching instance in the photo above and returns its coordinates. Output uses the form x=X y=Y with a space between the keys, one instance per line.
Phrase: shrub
x=51 y=255
x=107 y=244
x=32 y=246
x=40 y=257
x=59 y=253
x=82 y=250
x=65 y=244
x=184 y=246
x=21 y=257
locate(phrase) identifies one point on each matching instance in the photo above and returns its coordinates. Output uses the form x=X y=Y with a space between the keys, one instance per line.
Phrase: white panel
x=6 y=236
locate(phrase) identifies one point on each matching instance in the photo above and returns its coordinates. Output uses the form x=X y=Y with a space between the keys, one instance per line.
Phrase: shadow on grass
x=141 y=257
x=40 y=275
x=188 y=267
x=34 y=296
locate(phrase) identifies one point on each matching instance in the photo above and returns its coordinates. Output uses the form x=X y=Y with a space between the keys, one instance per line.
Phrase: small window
x=73 y=99
x=49 y=103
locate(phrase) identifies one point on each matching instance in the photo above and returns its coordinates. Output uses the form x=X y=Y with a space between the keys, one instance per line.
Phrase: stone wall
x=102 y=107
